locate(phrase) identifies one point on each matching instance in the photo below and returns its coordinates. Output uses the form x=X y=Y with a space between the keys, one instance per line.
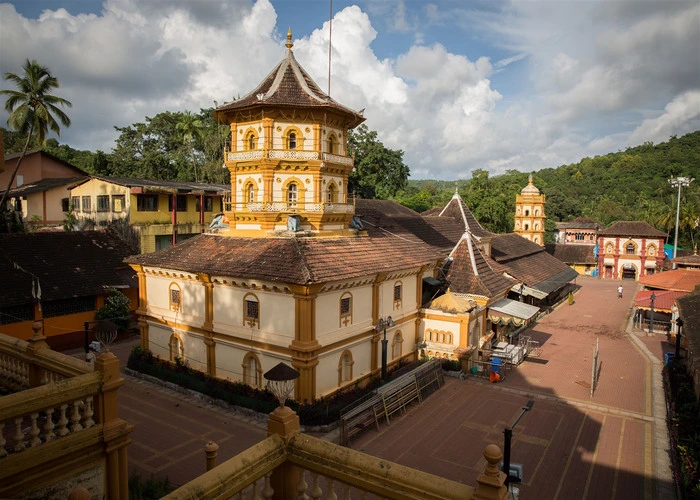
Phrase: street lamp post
x=651 y=318
x=382 y=325
x=678 y=181
x=508 y=435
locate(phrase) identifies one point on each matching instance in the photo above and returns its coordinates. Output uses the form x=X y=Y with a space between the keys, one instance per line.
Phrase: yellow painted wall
x=94 y=188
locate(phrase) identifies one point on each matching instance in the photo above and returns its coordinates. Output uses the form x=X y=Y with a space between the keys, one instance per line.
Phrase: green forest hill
x=627 y=185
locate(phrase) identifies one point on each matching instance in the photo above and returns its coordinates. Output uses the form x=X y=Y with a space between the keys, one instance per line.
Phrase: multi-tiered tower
x=529 y=213
x=288 y=156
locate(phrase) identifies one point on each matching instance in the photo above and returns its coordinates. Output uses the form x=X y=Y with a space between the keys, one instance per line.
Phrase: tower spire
x=289 y=43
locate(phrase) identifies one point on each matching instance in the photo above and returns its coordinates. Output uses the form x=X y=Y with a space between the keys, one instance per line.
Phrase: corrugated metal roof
x=514 y=308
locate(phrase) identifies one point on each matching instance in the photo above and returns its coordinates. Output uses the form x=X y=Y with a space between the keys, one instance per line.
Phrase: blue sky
x=457 y=84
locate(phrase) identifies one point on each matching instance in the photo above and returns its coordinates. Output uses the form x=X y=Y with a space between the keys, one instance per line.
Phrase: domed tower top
x=287 y=86
x=530 y=188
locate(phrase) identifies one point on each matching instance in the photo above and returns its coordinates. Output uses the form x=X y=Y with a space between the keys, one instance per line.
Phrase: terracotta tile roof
x=456 y=209
x=44 y=185
x=663 y=299
x=289 y=85
x=303 y=260
x=687 y=260
x=684 y=280
x=632 y=229
x=476 y=277
x=572 y=254
x=579 y=223
x=506 y=247
x=68 y=264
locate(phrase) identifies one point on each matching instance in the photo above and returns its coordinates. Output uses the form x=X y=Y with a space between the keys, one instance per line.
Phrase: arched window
x=527 y=212
x=651 y=250
x=292 y=140
x=345 y=309
x=332 y=194
x=251 y=311
x=537 y=226
x=175 y=297
x=292 y=194
x=345 y=368
x=537 y=211
x=609 y=248
x=332 y=144
x=177 y=349
x=250 y=193
x=629 y=249
x=251 y=141
x=252 y=371
x=527 y=226
x=398 y=294
x=396 y=345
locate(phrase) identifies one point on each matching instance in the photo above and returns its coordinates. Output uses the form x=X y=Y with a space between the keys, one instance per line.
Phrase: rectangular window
x=345 y=306
x=15 y=314
x=579 y=237
x=103 y=203
x=397 y=292
x=65 y=204
x=87 y=204
x=251 y=309
x=181 y=203
x=75 y=202
x=118 y=203
x=147 y=202
x=208 y=204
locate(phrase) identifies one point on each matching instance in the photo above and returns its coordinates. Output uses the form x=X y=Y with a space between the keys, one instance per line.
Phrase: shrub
x=148 y=489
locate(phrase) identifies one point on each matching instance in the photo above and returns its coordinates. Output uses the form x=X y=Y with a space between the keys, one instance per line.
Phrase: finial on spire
x=529 y=180
x=456 y=187
x=289 y=43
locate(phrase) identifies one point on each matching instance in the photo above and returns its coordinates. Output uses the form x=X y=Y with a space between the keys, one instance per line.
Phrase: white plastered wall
x=243 y=128
x=307 y=134
x=192 y=296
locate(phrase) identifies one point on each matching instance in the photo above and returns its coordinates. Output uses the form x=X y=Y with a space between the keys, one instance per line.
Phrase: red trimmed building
x=630 y=250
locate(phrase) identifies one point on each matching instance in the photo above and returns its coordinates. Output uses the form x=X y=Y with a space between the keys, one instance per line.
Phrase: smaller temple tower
x=529 y=213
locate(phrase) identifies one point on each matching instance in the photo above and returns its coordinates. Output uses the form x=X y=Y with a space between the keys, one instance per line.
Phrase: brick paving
x=571 y=445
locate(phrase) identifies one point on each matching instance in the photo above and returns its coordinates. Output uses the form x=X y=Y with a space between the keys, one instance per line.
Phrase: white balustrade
x=343 y=160
x=293 y=154
x=245 y=155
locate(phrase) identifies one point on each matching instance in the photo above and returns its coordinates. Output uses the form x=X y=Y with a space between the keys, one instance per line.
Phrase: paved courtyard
x=572 y=445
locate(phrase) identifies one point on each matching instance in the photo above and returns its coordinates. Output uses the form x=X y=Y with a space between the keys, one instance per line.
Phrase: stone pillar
x=285 y=423
x=212 y=451
x=491 y=483
x=37 y=342
x=115 y=430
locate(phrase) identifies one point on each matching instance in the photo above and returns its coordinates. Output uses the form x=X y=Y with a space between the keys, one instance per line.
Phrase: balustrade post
x=36 y=343
x=491 y=483
x=115 y=430
x=211 y=450
x=285 y=423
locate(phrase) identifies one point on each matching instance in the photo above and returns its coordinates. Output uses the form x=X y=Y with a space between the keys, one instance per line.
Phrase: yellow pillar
x=285 y=423
x=305 y=347
x=115 y=430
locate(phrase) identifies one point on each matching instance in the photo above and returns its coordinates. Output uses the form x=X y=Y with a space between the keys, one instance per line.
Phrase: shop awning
x=507 y=311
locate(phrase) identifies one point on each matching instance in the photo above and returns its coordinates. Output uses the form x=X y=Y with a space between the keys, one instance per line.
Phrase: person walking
x=619 y=292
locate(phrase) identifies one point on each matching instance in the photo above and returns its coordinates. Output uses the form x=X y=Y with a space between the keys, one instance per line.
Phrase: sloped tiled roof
x=475 y=276
x=301 y=261
x=572 y=254
x=684 y=280
x=44 y=185
x=289 y=85
x=687 y=260
x=510 y=246
x=458 y=210
x=663 y=299
x=12 y=156
x=68 y=264
x=161 y=186
x=579 y=223
x=632 y=229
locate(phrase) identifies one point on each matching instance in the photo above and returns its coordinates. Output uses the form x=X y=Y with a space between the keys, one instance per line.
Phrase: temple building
x=340 y=289
x=630 y=250
x=529 y=213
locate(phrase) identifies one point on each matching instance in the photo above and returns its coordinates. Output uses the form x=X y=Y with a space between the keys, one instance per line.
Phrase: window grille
x=629 y=249
x=63 y=307
x=208 y=204
x=87 y=204
x=147 y=202
x=251 y=309
x=175 y=298
x=103 y=203
x=181 y=203
x=15 y=314
x=397 y=292
x=75 y=201
x=345 y=306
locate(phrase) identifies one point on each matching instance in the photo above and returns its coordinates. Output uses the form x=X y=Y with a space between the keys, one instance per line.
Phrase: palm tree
x=191 y=126
x=32 y=108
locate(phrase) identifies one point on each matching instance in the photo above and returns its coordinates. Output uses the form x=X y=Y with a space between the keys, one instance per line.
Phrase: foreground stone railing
x=289 y=464
x=59 y=424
